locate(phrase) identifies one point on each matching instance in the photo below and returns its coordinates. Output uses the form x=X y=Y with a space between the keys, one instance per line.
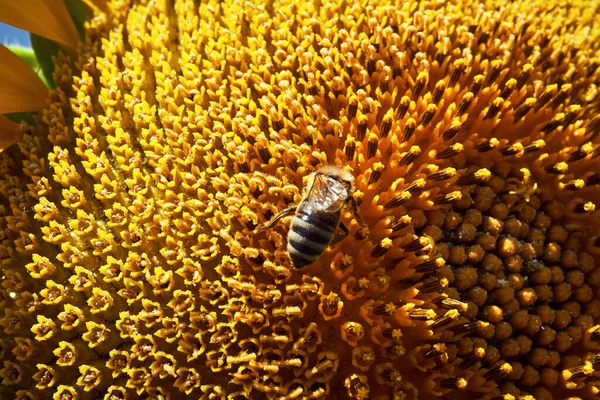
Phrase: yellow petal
x=101 y=5
x=47 y=18
x=22 y=89
x=9 y=132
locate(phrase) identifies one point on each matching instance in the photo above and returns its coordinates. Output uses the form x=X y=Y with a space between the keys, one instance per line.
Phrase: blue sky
x=11 y=36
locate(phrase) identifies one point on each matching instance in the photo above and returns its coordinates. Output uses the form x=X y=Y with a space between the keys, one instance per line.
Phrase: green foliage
x=22 y=116
x=45 y=50
x=79 y=13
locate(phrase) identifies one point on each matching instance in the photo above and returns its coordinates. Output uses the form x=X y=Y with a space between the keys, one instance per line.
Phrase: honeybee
x=317 y=217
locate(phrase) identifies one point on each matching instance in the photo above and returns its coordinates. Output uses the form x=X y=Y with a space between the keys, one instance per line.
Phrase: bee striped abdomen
x=309 y=235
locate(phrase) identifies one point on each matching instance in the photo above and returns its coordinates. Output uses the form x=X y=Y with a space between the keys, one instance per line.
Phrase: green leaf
x=44 y=50
x=22 y=116
x=79 y=14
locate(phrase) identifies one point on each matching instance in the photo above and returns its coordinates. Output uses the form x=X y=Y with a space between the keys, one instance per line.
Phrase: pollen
x=132 y=265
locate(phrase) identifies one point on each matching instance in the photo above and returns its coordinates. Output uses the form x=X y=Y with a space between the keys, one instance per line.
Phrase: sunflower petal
x=22 y=90
x=26 y=54
x=9 y=133
x=47 y=18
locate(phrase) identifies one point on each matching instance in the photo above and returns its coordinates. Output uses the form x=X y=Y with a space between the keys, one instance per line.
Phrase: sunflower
x=132 y=263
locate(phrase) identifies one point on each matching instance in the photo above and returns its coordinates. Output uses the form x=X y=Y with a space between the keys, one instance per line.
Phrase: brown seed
x=546 y=313
x=453 y=219
x=509 y=348
x=512 y=226
x=435 y=232
x=516 y=281
x=549 y=376
x=526 y=297
x=592 y=308
x=492 y=225
x=585 y=262
x=488 y=281
x=525 y=344
x=475 y=254
x=513 y=263
x=492 y=314
x=457 y=256
x=538 y=356
x=503 y=330
x=499 y=211
x=464 y=203
x=507 y=246
x=487 y=242
x=491 y=263
x=487 y=332
x=558 y=234
x=575 y=278
x=542 y=221
x=544 y=293
x=562 y=292
x=465 y=232
x=568 y=259
x=562 y=342
x=561 y=320
x=484 y=198
x=554 y=359
x=572 y=307
x=436 y=217
x=551 y=253
x=472 y=310
x=540 y=393
x=516 y=373
x=557 y=274
x=464 y=345
x=519 y=320
x=510 y=307
x=545 y=336
x=503 y=295
x=530 y=376
x=465 y=278
x=473 y=217
x=527 y=214
x=583 y=294
x=527 y=251
x=418 y=218
x=492 y=355
x=555 y=210
x=575 y=333
x=534 y=324
x=541 y=275
x=496 y=184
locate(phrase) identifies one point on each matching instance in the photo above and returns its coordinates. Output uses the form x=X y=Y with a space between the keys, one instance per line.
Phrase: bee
x=317 y=217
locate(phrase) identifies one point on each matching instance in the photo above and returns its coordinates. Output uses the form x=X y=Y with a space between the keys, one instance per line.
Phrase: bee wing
x=327 y=194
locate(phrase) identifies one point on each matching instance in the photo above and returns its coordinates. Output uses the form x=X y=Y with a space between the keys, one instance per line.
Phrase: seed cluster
x=130 y=263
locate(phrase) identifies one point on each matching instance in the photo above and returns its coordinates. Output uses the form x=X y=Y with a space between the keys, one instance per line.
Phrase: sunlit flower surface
x=131 y=263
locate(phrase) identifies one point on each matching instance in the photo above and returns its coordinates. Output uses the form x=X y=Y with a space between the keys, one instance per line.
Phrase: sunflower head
x=132 y=265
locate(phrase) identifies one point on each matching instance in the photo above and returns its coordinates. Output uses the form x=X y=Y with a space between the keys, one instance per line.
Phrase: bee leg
x=364 y=230
x=340 y=235
x=276 y=218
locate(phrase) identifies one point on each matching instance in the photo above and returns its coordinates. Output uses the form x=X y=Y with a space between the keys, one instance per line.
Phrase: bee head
x=338 y=174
